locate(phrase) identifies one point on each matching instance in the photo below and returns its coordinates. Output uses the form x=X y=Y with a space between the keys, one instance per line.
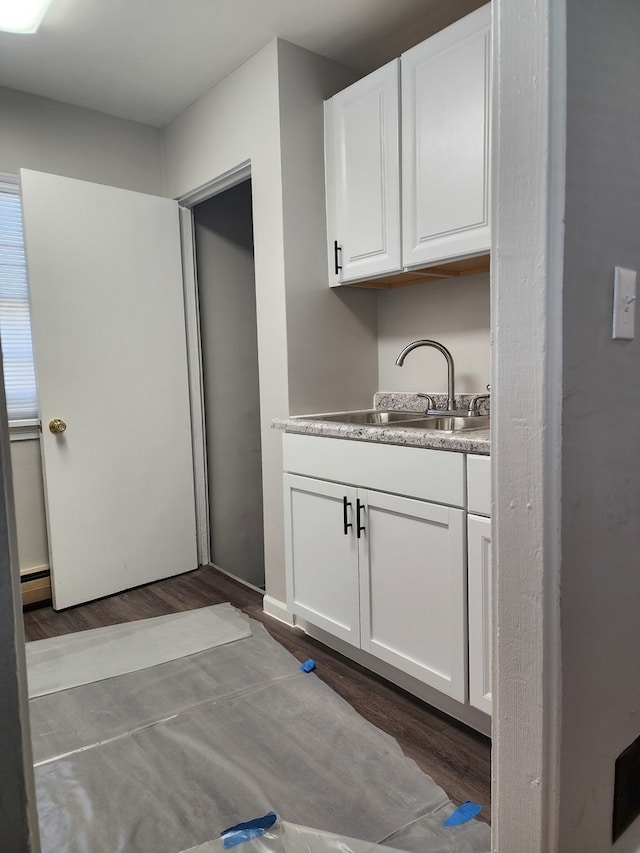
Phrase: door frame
x=527 y=266
x=231 y=178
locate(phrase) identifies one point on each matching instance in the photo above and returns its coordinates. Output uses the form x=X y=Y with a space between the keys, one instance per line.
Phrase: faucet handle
x=430 y=400
x=473 y=402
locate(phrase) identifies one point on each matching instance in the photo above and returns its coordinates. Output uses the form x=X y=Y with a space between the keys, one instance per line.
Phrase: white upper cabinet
x=363 y=177
x=445 y=143
x=436 y=156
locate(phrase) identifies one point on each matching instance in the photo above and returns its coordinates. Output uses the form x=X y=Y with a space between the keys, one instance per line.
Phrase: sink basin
x=413 y=420
x=370 y=417
x=451 y=423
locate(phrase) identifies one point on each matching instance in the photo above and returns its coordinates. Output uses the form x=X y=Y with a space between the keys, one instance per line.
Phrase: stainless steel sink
x=449 y=423
x=410 y=420
x=369 y=417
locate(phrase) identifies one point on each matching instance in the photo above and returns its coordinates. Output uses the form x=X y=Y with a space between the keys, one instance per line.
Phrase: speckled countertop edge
x=468 y=441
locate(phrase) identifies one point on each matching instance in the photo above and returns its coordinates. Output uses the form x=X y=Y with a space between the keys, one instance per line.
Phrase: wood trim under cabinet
x=454 y=269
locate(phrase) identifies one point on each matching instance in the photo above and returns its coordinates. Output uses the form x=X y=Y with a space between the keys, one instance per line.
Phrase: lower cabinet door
x=322 y=555
x=413 y=589
x=480 y=625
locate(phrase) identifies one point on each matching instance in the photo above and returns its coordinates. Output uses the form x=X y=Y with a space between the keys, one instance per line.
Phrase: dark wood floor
x=456 y=757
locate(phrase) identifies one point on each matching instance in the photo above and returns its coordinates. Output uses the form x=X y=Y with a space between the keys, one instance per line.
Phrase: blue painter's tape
x=308 y=665
x=467 y=811
x=244 y=831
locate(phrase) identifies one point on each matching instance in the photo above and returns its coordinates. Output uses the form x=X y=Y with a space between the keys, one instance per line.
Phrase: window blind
x=15 y=324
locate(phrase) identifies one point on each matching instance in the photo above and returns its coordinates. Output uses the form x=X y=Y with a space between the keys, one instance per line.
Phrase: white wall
x=37 y=133
x=600 y=604
x=455 y=313
x=528 y=154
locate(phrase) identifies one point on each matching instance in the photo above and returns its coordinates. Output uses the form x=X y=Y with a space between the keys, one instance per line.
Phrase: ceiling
x=147 y=60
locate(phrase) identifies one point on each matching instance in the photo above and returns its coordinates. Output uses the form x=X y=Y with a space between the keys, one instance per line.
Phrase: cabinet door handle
x=336 y=249
x=346 y=524
x=360 y=507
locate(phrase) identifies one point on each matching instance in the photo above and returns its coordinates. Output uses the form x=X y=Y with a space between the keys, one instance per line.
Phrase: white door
x=412 y=588
x=480 y=630
x=445 y=143
x=322 y=555
x=362 y=151
x=110 y=354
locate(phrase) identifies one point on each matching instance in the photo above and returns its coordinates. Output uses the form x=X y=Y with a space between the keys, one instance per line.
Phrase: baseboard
x=277 y=610
x=35 y=585
x=34 y=570
x=236 y=578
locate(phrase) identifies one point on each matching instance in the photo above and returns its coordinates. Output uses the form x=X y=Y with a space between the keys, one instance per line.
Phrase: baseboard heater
x=35 y=585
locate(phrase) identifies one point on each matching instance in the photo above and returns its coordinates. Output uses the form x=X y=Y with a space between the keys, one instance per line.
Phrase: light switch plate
x=624 y=304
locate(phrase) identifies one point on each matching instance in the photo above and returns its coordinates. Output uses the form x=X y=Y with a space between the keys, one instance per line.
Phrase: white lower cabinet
x=383 y=572
x=480 y=624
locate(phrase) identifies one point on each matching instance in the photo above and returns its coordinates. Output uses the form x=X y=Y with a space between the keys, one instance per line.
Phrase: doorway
x=223 y=237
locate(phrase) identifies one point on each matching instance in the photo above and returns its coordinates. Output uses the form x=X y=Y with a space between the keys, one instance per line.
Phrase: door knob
x=56 y=426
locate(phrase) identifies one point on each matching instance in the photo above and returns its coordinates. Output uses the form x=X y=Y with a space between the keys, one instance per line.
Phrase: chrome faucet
x=451 y=401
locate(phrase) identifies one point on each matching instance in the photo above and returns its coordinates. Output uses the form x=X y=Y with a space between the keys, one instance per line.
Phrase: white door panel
x=362 y=151
x=445 y=143
x=322 y=555
x=110 y=353
x=412 y=589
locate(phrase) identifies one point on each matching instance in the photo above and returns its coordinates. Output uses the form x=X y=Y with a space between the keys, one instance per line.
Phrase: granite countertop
x=461 y=441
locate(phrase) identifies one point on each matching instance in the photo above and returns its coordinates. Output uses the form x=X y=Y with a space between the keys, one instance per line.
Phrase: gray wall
x=37 y=133
x=269 y=112
x=600 y=603
x=40 y=134
x=455 y=312
x=18 y=819
x=331 y=334
x=235 y=122
x=26 y=464
x=226 y=285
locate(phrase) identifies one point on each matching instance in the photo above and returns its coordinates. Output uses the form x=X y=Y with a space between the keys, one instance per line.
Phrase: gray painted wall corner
x=18 y=816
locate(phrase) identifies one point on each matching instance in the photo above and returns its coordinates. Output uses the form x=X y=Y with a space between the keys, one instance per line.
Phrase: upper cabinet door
x=363 y=177
x=445 y=143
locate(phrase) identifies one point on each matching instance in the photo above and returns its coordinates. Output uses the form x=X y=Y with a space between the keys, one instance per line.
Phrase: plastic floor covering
x=75 y=659
x=164 y=758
